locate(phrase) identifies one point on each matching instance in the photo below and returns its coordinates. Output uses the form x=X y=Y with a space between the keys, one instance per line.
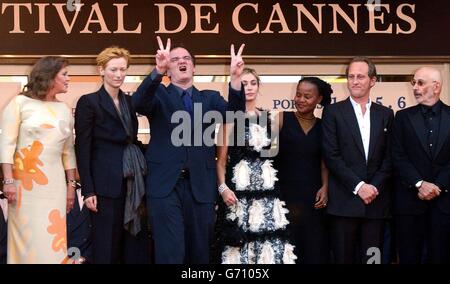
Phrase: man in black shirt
x=421 y=158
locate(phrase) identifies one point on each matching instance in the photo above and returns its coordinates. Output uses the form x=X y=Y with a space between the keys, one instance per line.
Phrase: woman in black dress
x=252 y=221
x=303 y=176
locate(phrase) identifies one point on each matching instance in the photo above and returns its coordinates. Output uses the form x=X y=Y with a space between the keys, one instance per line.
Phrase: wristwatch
x=418 y=184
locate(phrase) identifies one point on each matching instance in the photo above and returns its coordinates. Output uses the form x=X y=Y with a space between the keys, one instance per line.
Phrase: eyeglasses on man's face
x=419 y=82
x=176 y=59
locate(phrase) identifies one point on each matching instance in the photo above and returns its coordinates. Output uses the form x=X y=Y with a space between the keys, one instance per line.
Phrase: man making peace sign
x=181 y=184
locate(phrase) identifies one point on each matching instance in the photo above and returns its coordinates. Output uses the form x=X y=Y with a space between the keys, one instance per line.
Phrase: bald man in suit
x=421 y=158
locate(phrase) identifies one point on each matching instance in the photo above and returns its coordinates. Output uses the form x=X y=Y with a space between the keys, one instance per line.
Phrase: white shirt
x=80 y=198
x=364 y=128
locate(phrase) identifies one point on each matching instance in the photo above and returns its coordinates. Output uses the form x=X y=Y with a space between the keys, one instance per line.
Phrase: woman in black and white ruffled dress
x=251 y=224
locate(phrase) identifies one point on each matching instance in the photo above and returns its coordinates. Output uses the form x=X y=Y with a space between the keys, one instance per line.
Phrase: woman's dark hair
x=323 y=87
x=42 y=75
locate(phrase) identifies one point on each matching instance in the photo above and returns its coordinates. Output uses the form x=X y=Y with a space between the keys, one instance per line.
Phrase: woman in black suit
x=302 y=174
x=110 y=162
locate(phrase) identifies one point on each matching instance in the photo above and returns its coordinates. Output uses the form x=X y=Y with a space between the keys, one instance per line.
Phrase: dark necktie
x=187 y=101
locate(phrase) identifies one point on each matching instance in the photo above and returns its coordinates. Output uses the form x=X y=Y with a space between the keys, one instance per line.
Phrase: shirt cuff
x=358 y=187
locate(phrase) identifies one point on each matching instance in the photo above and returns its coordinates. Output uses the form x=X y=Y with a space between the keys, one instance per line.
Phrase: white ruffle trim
x=269 y=174
x=288 y=256
x=267 y=255
x=236 y=212
x=279 y=214
x=241 y=175
x=231 y=255
x=258 y=137
x=255 y=215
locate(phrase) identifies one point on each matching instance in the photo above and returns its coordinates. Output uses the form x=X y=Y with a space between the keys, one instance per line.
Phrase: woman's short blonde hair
x=110 y=53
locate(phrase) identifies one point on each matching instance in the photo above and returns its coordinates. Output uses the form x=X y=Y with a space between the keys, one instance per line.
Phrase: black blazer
x=344 y=156
x=100 y=141
x=413 y=162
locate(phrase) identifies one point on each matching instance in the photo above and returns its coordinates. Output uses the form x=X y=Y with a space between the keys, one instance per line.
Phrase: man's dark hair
x=190 y=53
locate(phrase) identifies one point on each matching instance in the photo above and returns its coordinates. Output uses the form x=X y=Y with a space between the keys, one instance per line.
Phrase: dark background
x=431 y=38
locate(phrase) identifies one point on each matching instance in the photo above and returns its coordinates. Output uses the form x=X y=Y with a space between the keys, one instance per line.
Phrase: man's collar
x=355 y=104
x=180 y=90
x=433 y=109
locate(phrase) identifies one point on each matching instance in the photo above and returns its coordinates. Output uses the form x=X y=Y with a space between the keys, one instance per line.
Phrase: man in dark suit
x=421 y=158
x=355 y=144
x=181 y=184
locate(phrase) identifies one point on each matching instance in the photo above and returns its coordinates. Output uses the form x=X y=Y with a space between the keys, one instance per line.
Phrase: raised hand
x=236 y=67
x=162 y=56
x=237 y=64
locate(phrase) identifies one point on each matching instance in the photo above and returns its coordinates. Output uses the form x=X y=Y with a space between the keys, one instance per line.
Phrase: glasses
x=176 y=59
x=356 y=78
x=419 y=82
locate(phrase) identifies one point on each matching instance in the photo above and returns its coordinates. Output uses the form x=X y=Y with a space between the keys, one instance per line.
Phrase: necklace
x=298 y=115
x=305 y=123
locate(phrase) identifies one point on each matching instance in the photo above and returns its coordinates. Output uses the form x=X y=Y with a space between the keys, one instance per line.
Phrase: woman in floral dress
x=38 y=162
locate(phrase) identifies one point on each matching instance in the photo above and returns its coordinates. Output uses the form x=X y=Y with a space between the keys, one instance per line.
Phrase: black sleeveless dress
x=299 y=164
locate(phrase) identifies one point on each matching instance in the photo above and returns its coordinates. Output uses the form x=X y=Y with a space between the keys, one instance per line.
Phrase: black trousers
x=424 y=238
x=108 y=231
x=183 y=228
x=357 y=240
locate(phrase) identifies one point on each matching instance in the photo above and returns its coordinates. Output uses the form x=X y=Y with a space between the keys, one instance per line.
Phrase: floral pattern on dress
x=57 y=227
x=26 y=166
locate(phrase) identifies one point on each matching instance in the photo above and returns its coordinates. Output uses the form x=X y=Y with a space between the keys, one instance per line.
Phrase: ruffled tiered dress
x=253 y=231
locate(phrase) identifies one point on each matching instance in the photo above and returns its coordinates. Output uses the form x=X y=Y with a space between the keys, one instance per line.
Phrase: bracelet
x=222 y=188
x=73 y=183
x=7 y=181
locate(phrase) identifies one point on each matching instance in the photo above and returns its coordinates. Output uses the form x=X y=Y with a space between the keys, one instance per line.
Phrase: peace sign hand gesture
x=162 y=56
x=236 y=67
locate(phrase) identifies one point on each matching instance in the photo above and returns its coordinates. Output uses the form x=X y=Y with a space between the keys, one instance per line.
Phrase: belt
x=184 y=174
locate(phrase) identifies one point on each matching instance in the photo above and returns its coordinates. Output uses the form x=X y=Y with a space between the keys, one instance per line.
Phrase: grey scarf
x=134 y=170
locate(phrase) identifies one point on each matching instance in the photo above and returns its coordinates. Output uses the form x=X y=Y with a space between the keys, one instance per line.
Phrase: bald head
x=432 y=73
x=427 y=85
